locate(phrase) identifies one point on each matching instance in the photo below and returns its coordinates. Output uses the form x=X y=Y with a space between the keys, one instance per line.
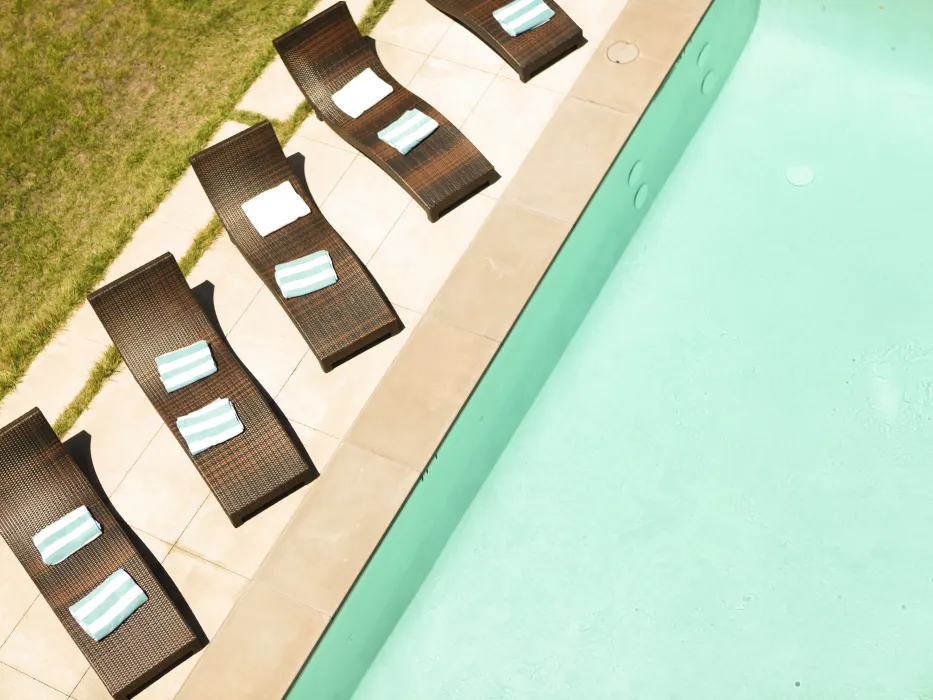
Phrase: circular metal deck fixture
x=622 y=52
x=800 y=175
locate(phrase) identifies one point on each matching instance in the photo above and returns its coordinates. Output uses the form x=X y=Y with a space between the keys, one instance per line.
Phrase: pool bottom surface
x=724 y=489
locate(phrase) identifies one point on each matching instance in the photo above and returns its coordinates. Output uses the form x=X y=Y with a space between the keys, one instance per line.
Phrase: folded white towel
x=361 y=93
x=275 y=208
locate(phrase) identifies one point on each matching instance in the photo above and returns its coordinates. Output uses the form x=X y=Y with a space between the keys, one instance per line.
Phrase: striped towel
x=522 y=15
x=67 y=535
x=274 y=209
x=105 y=608
x=215 y=423
x=408 y=131
x=180 y=368
x=305 y=275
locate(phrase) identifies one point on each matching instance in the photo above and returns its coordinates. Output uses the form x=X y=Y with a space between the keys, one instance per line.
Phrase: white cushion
x=361 y=93
x=275 y=208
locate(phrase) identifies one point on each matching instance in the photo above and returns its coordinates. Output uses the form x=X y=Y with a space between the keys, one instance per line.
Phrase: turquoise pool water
x=713 y=477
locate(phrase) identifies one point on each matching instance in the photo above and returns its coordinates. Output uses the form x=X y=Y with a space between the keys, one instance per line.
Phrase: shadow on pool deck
x=79 y=447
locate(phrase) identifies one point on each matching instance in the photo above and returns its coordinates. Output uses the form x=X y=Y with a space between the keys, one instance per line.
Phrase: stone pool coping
x=285 y=609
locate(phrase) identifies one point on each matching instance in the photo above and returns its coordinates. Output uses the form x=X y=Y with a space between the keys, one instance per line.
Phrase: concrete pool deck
x=265 y=592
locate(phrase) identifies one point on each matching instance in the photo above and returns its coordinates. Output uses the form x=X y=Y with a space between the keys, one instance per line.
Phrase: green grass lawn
x=101 y=103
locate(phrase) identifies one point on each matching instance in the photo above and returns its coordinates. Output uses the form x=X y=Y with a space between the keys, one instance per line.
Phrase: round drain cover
x=800 y=175
x=622 y=52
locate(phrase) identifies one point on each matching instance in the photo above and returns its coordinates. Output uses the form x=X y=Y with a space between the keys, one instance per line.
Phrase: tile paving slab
x=274 y=94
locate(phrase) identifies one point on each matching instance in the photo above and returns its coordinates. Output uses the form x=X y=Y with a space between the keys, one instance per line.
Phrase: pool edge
x=409 y=415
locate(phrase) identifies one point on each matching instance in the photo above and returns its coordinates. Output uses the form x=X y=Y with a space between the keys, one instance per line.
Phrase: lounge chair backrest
x=324 y=54
x=151 y=311
x=238 y=169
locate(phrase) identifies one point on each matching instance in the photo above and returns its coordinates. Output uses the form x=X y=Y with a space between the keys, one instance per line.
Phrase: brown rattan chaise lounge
x=528 y=53
x=151 y=311
x=40 y=483
x=338 y=321
x=327 y=52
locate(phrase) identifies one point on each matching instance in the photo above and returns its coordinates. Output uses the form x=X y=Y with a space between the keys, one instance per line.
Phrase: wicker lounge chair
x=151 y=311
x=528 y=53
x=39 y=483
x=323 y=55
x=337 y=322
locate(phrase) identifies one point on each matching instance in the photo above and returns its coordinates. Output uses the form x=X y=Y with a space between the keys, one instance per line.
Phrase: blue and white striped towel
x=520 y=16
x=67 y=535
x=408 y=131
x=105 y=608
x=180 y=368
x=305 y=275
x=215 y=423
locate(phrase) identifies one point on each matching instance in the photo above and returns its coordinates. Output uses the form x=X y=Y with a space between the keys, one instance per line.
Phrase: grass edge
x=110 y=361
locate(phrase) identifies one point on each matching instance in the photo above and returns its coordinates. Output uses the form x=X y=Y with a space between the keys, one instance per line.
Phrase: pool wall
x=524 y=362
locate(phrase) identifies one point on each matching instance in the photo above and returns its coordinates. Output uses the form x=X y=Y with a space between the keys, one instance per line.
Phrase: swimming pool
x=701 y=463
